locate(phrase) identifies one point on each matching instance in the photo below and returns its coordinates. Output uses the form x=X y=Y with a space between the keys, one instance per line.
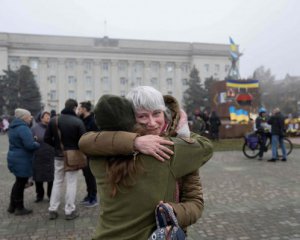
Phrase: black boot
x=20 y=209
x=12 y=206
x=23 y=211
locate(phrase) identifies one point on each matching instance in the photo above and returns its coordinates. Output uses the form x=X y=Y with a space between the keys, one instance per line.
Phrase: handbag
x=165 y=217
x=74 y=159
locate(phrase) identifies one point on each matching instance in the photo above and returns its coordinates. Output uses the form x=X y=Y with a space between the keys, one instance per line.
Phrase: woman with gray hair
x=158 y=116
x=19 y=158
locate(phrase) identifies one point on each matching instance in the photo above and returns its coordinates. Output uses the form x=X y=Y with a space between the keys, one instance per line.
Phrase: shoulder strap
x=59 y=133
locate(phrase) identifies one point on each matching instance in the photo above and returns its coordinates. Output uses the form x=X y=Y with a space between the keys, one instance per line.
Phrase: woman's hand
x=154 y=145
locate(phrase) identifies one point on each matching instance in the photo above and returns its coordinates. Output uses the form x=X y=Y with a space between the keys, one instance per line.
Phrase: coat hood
x=17 y=122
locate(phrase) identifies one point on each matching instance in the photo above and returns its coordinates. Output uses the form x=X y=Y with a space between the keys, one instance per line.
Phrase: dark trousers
x=39 y=189
x=17 y=193
x=90 y=181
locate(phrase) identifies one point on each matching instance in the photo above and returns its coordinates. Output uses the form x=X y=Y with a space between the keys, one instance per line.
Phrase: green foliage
x=194 y=96
x=19 y=89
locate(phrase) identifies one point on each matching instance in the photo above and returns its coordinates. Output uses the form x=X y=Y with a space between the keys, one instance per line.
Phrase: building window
x=34 y=63
x=71 y=94
x=72 y=80
x=123 y=93
x=138 y=67
x=217 y=67
x=185 y=68
x=154 y=67
x=139 y=81
x=14 y=63
x=88 y=81
x=206 y=67
x=105 y=66
x=52 y=95
x=70 y=64
x=87 y=65
x=184 y=82
x=123 y=81
x=226 y=68
x=122 y=66
x=88 y=95
x=170 y=92
x=52 y=64
x=170 y=67
x=169 y=83
x=52 y=80
x=154 y=82
x=105 y=84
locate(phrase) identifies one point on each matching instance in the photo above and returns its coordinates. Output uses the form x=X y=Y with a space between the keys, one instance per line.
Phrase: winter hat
x=114 y=113
x=21 y=113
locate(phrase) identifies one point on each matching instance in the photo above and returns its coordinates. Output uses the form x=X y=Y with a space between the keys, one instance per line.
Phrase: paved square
x=244 y=199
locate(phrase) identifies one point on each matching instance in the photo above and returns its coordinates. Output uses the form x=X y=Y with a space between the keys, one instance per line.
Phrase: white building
x=84 y=68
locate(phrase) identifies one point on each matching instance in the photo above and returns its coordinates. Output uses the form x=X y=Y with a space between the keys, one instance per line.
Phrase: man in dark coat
x=84 y=112
x=71 y=128
x=277 y=130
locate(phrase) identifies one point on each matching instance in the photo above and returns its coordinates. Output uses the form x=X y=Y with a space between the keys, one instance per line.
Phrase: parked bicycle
x=252 y=145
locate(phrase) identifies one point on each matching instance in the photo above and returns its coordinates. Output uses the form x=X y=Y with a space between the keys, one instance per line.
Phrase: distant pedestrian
x=214 y=125
x=87 y=116
x=43 y=163
x=262 y=130
x=71 y=128
x=278 y=131
x=19 y=158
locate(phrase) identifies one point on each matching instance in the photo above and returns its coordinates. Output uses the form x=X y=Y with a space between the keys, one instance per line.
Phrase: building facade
x=84 y=68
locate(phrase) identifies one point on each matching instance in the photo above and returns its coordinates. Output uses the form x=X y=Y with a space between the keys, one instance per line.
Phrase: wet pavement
x=244 y=199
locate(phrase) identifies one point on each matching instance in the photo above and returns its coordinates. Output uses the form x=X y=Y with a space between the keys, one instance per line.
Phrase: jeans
x=71 y=187
x=275 y=141
x=90 y=182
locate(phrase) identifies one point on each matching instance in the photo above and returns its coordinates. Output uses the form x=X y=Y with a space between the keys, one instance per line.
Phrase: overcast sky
x=267 y=31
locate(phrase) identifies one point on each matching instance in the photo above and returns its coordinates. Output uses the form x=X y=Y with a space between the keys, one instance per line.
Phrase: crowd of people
x=271 y=126
x=138 y=147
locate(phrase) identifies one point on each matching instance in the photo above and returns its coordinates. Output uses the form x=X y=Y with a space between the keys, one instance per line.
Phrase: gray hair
x=146 y=98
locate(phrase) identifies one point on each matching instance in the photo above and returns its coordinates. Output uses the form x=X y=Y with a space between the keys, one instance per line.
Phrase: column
x=147 y=73
x=80 y=88
x=114 y=79
x=3 y=59
x=162 y=78
x=177 y=82
x=62 y=89
x=43 y=80
x=97 y=80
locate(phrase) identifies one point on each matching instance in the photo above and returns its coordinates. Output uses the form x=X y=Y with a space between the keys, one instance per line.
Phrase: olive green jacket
x=130 y=214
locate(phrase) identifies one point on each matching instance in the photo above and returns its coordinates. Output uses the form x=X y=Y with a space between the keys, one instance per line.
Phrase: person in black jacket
x=262 y=131
x=84 y=112
x=214 y=123
x=278 y=130
x=71 y=128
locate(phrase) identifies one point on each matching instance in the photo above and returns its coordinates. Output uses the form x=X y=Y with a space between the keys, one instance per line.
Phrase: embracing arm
x=110 y=143
x=191 y=202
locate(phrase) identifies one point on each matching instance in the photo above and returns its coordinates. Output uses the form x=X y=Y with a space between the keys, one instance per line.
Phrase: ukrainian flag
x=232 y=113
x=238 y=115
x=242 y=83
x=233 y=46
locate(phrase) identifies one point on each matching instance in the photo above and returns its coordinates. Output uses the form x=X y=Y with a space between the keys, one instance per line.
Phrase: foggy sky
x=267 y=31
